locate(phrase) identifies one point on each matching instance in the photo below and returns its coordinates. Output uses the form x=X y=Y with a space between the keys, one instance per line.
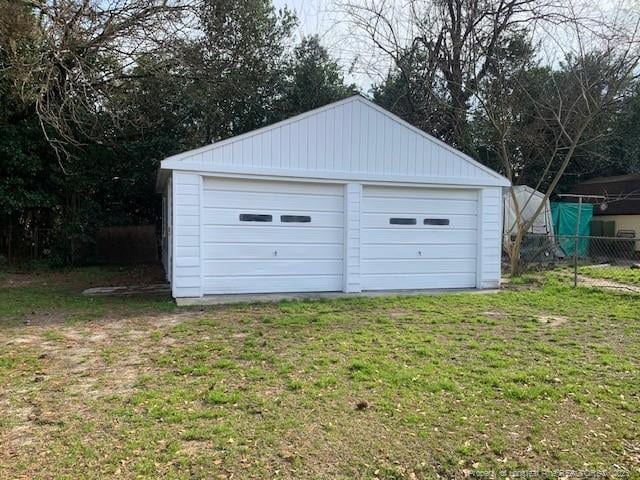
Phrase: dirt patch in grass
x=495 y=314
x=16 y=280
x=599 y=282
x=66 y=373
x=86 y=277
x=617 y=274
x=44 y=318
x=397 y=314
x=552 y=320
x=53 y=298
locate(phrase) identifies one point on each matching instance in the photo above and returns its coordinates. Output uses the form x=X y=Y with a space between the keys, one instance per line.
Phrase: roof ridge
x=611 y=179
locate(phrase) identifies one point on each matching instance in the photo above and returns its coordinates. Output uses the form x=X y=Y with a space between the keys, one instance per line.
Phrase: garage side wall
x=167 y=230
x=187 y=194
x=490 y=237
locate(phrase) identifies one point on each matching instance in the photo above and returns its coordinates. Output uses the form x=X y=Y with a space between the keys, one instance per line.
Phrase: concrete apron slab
x=159 y=289
x=223 y=299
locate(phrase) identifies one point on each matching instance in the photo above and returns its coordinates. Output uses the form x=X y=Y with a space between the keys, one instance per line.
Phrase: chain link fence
x=593 y=261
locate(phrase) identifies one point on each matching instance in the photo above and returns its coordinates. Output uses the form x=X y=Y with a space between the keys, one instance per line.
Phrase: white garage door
x=264 y=236
x=418 y=238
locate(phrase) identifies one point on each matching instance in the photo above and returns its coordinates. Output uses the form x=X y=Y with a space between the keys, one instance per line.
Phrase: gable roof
x=352 y=139
x=622 y=194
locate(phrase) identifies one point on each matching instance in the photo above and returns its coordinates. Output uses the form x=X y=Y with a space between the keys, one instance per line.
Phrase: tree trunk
x=515 y=262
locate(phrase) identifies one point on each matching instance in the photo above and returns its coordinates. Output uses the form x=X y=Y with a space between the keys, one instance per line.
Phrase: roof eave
x=472 y=182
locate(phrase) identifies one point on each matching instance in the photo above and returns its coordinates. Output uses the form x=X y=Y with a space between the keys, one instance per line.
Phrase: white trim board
x=331 y=177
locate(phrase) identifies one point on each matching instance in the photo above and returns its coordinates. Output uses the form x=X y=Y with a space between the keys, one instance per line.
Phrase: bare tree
x=529 y=107
x=69 y=56
x=455 y=42
x=566 y=109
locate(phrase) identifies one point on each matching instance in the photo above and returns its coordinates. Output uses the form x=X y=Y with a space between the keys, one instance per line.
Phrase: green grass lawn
x=387 y=388
x=55 y=296
x=622 y=274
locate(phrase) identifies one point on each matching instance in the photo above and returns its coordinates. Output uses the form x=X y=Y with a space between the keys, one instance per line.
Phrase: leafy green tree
x=622 y=153
x=410 y=94
x=516 y=116
x=234 y=72
x=313 y=79
x=414 y=91
x=125 y=113
x=29 y=184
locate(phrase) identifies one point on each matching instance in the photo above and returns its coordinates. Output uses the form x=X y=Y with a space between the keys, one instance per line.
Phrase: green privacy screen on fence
x=565 y=218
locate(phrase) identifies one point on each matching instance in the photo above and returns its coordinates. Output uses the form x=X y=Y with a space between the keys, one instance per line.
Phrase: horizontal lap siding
x=348 y=245
x=186 y=259
x=491 y=237
x=419 y=256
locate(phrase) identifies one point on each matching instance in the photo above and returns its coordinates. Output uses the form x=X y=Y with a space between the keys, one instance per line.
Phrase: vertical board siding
x=491 y=240
x=351 y=137
x=186 y=234
x=353 y=205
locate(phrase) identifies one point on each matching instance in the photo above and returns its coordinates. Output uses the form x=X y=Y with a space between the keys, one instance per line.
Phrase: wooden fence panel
x=127 y=245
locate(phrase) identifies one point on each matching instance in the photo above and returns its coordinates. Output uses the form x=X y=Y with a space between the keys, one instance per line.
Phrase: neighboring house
x=618 y=214
x=347 y=197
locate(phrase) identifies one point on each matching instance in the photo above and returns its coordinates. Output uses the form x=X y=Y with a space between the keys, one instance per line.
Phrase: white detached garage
x=347 y=197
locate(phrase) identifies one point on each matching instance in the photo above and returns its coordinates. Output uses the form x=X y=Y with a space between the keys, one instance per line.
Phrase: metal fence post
x=575 y=246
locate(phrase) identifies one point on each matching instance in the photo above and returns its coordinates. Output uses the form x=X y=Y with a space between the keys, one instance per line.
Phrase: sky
x=314 y=16
x=325 y=19
x=322 y=18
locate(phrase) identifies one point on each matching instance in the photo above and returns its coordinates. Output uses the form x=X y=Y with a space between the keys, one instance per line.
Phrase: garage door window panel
x=295 y=219
x=252 y=217
x=436 y=221
x=402 y=221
